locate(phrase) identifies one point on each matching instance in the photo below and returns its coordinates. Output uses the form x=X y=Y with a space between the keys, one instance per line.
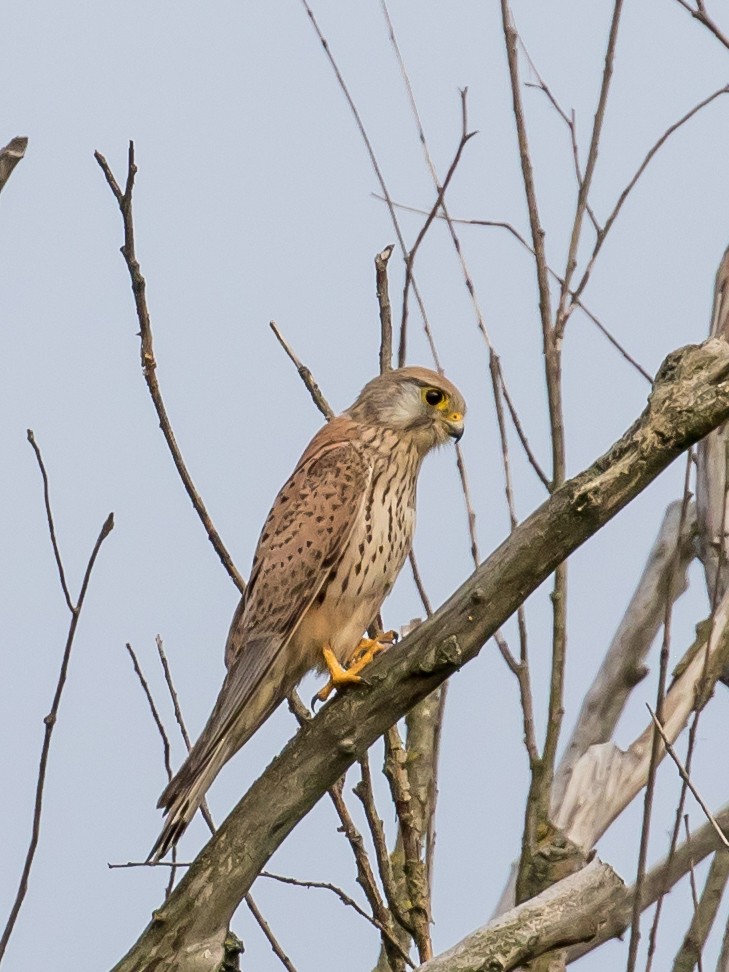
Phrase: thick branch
x=689 y=399
x=658 y=881
x=569 y=912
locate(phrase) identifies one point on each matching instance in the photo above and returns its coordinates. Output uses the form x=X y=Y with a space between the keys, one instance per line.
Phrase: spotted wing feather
x=302 y=541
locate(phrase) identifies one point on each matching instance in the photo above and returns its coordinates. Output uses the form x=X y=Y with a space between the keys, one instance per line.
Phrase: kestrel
x=336 y=537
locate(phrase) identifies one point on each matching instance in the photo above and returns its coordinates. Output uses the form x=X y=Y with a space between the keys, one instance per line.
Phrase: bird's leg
x=361 y=657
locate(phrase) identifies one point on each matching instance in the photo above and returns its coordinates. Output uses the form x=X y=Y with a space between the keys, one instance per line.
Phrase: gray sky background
x=254 y=201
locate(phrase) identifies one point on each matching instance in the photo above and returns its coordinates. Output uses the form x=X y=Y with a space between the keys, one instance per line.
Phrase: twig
x=365 y=875
x=272 y=940
x=165 y=746
x=686 y=778
x=306 y=376
x=427 y=606
x=655 y=745
x=466 y=136
x=631 y=185
x=10 y=155
x=563 y=311
x=205 y=809
x=414 y=866
x=383 y=187
x=531 y=457
x=153 y=709
x=503 y=224
x=50 y=720
x=173 y=693
x=51 y=526
x=694 y=898
x=569 y=121
x=363 y=791
x=345 y=899
x=383 y=300
x=149 y=364
x=699 y=13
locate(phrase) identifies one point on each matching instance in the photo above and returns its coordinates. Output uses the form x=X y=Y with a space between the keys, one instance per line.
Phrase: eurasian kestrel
x=331 y=548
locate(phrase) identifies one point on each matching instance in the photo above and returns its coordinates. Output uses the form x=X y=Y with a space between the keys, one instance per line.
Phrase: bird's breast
x=372 y=558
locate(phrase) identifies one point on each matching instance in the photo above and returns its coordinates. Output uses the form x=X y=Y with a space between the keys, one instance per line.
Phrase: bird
x=337 y=535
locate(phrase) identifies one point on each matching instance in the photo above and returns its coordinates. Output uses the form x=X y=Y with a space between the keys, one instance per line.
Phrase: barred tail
x=183 y=796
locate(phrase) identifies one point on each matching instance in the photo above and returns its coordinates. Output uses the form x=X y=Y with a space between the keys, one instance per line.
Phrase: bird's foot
x=361 y=658
x=369 y=647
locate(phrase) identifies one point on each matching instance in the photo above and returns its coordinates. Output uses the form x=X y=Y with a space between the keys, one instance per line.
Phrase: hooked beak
x=455 y=426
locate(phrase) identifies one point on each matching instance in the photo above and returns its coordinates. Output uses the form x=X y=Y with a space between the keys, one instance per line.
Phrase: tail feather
x=182 y=797
x=252 y=689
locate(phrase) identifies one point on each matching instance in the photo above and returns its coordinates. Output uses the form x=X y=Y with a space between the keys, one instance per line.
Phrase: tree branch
x=10 y=155
x=149 y=364
x=569 y=912
x=690 y=398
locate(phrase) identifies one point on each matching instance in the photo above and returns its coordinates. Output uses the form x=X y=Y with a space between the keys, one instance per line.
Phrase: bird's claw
x=361 y=658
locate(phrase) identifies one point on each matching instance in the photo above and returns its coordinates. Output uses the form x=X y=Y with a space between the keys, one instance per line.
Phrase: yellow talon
x=361 y=658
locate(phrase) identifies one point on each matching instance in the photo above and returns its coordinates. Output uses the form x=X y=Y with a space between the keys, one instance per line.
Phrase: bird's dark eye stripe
x=433 y=396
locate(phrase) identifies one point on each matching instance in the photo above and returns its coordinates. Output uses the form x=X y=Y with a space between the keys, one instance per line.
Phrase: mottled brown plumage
x=329 y=552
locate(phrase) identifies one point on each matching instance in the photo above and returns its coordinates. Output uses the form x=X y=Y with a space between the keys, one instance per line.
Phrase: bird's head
x=417 y=402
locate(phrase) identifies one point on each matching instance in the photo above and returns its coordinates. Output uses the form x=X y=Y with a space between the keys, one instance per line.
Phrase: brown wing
x=302 y=540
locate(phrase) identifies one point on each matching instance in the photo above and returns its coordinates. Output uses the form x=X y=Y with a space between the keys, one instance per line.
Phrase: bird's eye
x=434 y=396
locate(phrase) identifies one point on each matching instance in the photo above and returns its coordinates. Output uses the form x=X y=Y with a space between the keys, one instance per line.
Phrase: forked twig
x=343 y=897
x=50 y=720
x=466 y=136
x=149 y=364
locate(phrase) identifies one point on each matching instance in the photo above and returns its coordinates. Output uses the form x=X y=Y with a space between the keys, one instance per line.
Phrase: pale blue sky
x=254 y=201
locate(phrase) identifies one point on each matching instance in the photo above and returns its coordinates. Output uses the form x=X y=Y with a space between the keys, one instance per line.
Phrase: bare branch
x=466 y=136
x=383 y=300
x=343 y=897
x=614 y=777
x=50 y=723
x=686 y=778
x=49 y=518
x=306 y=376
x=149 y=363
x=694 y=941
x=699 y=13
x=10 y=155
x=631 y=184
x=363 y=790
x=566 y=913
x=383 y=187
x=689 y=399
x=663 y=876
x=622 y=668
x=564 y=310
